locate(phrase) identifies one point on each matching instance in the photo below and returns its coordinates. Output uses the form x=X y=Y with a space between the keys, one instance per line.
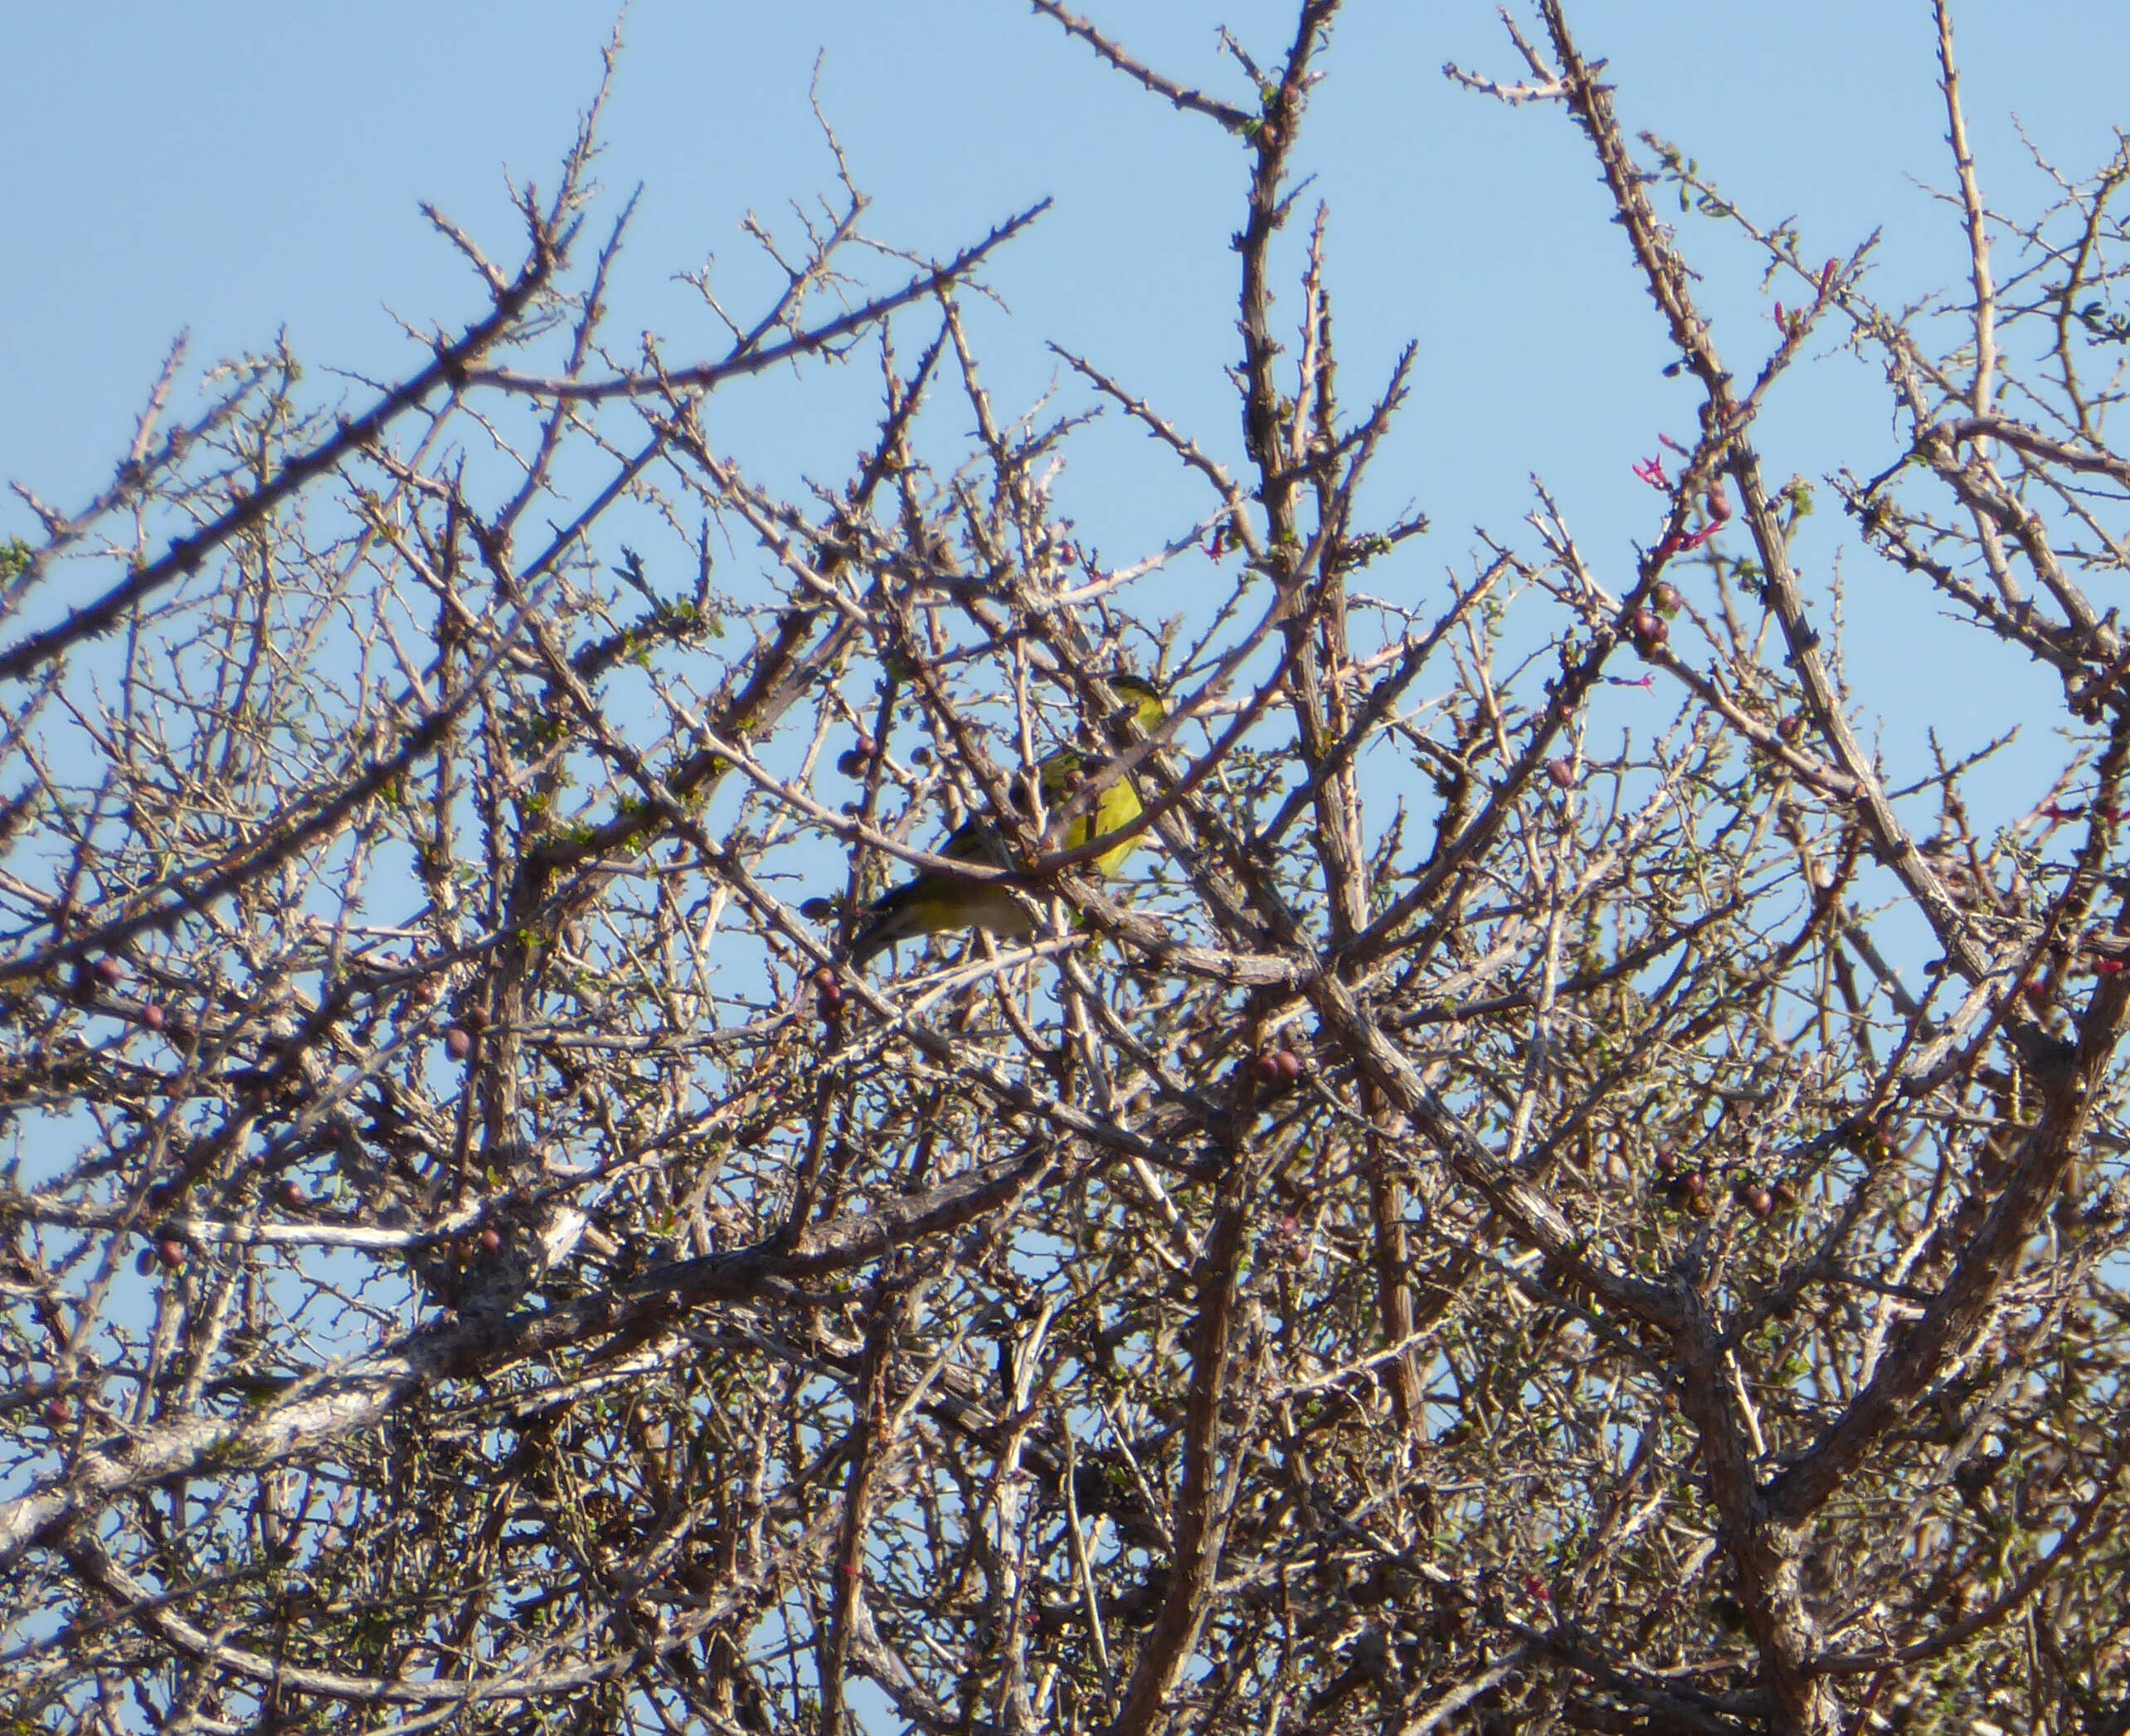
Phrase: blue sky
x=236 y=168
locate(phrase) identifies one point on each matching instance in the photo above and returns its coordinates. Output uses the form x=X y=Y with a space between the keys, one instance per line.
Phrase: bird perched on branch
x=937 y=903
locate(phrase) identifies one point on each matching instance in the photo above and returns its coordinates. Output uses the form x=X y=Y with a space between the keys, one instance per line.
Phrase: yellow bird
x=939 y=904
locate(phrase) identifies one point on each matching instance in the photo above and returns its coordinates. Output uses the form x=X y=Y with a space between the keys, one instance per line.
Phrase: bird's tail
x=887 y=921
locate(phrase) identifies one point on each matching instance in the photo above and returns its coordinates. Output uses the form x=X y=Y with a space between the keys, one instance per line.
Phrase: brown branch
x=1236 y=120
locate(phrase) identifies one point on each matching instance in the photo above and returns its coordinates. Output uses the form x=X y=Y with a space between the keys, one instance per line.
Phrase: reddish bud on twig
x=827 y=995
x=1561 y=772
x=153 y=1017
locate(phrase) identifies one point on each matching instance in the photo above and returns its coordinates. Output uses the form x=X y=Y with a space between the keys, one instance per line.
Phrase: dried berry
x=458 y=1042
x=109 y=971
x=491 y=1238
x=171 y=1251
x=1288 y=1065
x=829 y=992
x=1561 y=771
x=153 y=1017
